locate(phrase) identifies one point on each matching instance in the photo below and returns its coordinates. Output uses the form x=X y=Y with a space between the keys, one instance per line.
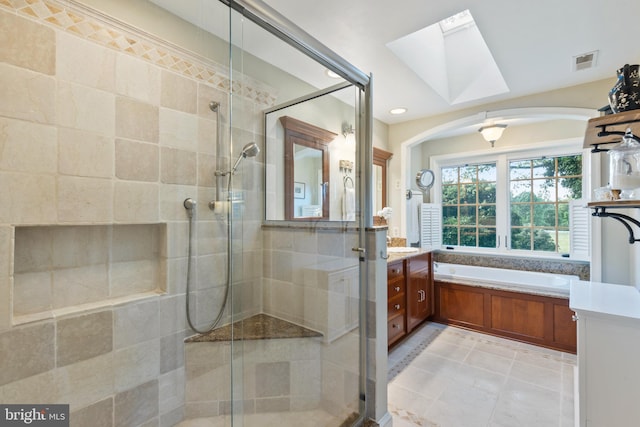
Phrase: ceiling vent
x=584 y=61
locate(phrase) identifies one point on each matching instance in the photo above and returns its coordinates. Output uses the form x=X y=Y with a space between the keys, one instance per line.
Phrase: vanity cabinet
x=419 y=290
x=608 y=352
x=396 y=302
x=409 y=295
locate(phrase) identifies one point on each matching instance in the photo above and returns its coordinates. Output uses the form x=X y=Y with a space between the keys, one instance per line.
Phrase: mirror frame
x=308 y=135
x=380 y=158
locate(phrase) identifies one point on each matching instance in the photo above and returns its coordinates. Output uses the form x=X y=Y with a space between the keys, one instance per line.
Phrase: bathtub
x=526 y=306
x=500 y=278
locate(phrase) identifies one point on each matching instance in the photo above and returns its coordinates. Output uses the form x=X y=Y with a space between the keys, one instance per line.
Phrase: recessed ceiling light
x=332 y=74
x=400 y=110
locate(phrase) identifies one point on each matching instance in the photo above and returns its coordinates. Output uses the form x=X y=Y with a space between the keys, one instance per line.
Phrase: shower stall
x=277 y=305
x=186 y=237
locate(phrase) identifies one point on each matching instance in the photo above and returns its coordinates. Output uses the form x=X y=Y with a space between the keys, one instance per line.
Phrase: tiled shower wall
x=104 y=133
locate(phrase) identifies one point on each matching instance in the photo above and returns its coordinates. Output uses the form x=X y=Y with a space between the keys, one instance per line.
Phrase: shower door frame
x=273 y=22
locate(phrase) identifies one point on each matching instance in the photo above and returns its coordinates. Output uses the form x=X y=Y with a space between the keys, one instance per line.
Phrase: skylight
x=452 y=57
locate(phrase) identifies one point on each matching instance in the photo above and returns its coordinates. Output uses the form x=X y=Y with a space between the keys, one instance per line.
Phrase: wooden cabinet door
x=419 y=290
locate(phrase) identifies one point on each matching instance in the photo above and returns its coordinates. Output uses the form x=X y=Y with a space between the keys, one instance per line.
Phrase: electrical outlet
x=397 y=184
x=396 y=231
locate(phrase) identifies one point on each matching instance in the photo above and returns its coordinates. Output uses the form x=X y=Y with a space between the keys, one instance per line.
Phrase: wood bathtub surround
x=535 y=319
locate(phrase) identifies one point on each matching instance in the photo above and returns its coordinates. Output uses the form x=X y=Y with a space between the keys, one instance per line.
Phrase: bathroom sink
x=400 y=250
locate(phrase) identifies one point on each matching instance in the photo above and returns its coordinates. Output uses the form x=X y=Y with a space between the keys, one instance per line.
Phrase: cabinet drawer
x=395 y=288
x=395 y=270
x=395 y=328
x=396 y=305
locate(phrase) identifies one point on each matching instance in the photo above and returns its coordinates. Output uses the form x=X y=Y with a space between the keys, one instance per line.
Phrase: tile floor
x=444 y=376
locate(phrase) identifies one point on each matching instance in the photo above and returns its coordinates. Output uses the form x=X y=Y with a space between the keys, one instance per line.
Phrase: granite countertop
x=397 y=256
x=258 y=327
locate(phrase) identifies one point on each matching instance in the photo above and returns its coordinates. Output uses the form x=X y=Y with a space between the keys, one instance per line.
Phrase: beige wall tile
x=178 y=129
x=41 y=388
x=74 y=286
x=27 y=95
x=136 y=364
x=27 y=44
x=136 y=242
x=135 y=406
x=171 y=387
x=32 y=249
x=137 y=79
x=27 y=351
x=32 y=293
x=137 y=161
x=27 y=147
x=178 y=166
x=172 y=202
x=85 y=108
x=33 y=204
x=84 y=62
x=84 y=337
x=134 y=277
x=172 y=352
x=83 y=383
x=208 y=135
x=78 y=246
x=206 y=170
x=178 y=92
x=172 y=314
x=6 y=261
x=136 y=202
x=206 y=94
x=136 y=323
x=99 y=414
x=85 y=154
x=137 y=120
x=176 y=276
x=84 y=199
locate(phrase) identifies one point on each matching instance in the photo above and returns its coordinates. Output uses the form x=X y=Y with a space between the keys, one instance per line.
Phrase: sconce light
x=349 y=133
x=492 y=133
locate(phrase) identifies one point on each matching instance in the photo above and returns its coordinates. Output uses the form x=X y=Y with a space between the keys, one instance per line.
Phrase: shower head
x=249 y=150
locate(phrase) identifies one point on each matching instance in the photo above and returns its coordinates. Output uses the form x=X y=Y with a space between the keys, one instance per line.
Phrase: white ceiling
x=532 y=42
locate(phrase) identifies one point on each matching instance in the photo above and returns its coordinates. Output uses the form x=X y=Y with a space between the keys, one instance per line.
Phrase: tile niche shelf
x=603 y=209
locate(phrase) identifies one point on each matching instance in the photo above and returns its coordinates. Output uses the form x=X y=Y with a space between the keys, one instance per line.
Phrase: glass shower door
x=295 y=212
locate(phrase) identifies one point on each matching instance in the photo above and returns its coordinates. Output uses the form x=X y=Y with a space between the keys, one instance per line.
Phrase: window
x=511 y=201
x=469 y=205
x=540 y=192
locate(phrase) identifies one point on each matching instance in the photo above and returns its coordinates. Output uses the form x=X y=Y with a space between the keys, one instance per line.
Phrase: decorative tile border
x=84 y=22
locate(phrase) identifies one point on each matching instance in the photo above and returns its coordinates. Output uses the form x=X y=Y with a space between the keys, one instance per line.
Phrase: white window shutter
x=430 y=225
x=579 y=230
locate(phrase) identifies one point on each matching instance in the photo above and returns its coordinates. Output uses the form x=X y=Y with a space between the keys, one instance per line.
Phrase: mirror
x=306 y=170
x=380 y=158
x=310 y=158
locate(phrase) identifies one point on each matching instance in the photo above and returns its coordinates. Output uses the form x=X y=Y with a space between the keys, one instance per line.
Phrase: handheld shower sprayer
x=249 y=150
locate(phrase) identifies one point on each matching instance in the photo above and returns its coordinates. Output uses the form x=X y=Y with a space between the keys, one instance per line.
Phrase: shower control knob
x=190 y=204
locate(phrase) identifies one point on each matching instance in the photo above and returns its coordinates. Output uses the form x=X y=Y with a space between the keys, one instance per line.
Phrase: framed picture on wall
x=298 y=190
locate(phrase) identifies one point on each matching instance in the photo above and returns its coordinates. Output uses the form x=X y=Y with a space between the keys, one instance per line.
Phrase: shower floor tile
x=445 y=376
